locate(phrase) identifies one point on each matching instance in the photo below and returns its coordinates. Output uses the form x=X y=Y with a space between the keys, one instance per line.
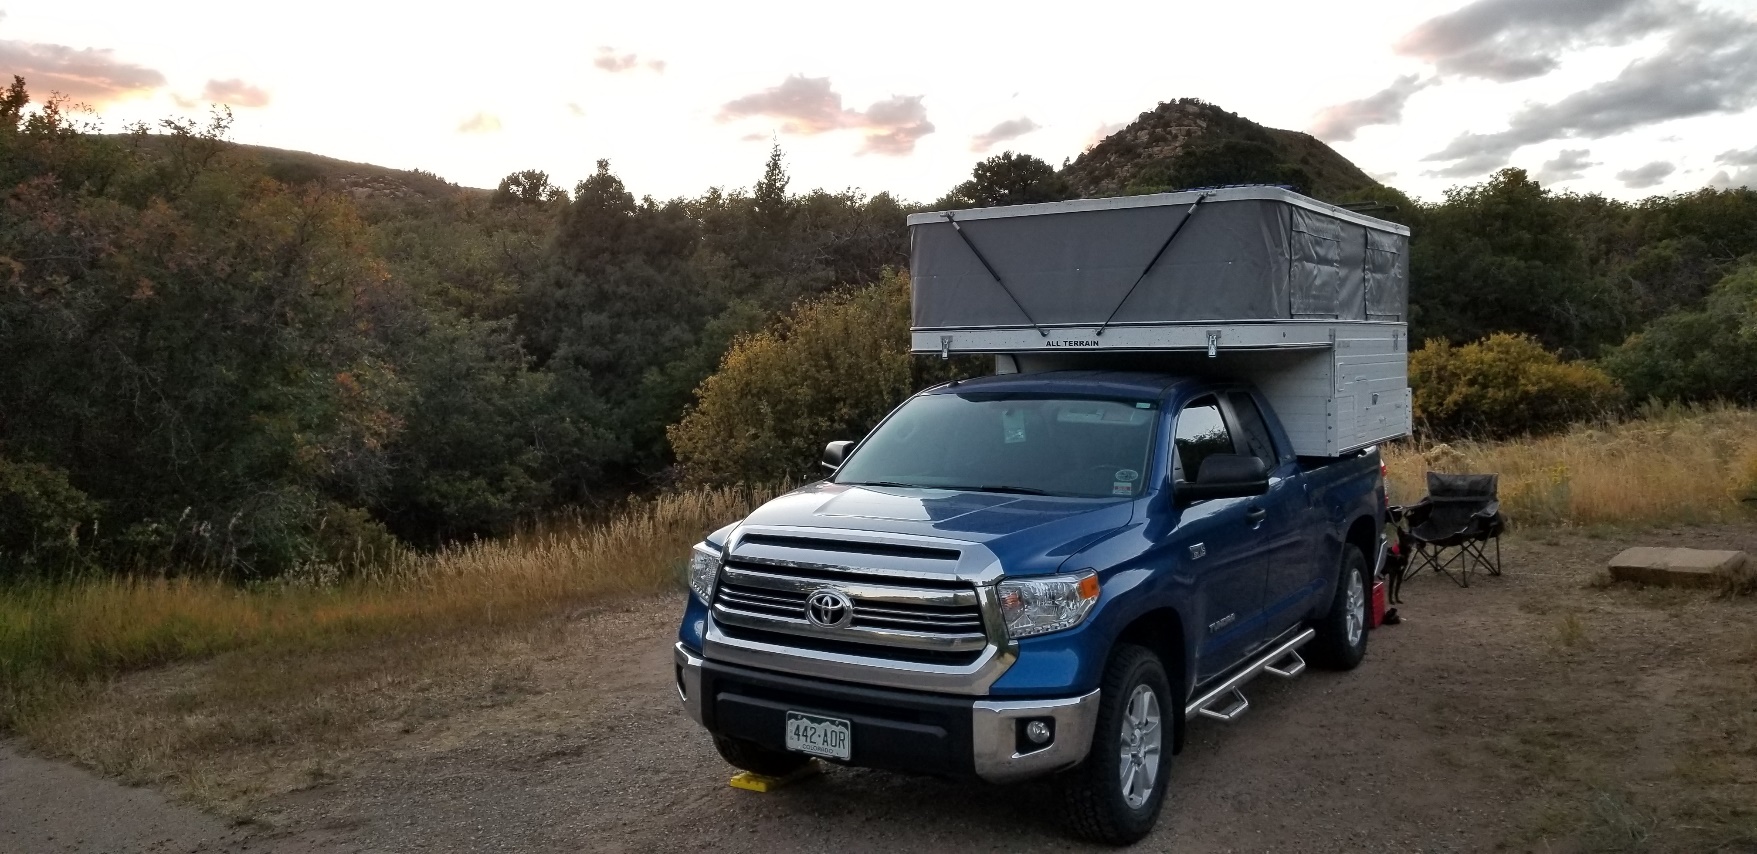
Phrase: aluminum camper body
x=1305 y=300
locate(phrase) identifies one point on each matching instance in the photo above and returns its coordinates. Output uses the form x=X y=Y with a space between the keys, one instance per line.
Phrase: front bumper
x=896 y=730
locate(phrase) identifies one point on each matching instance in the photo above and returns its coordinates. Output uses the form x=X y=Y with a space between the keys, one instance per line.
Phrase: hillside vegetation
x=242 y=363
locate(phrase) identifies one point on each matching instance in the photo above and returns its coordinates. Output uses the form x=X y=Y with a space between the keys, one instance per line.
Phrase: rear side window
x=1201 y=432
x=1255 y=430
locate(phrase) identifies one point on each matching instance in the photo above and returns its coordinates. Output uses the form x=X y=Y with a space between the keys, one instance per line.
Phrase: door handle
x=1255 y=515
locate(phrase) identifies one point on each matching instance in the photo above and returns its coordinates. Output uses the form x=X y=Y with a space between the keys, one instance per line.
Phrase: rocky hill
x=1191 y=143
x=360 y=180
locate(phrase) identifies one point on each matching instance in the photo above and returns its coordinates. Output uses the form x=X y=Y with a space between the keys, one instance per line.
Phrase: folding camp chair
x=1449 y=530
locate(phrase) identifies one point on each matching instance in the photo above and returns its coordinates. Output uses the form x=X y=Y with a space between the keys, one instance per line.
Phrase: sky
x=1628 y=98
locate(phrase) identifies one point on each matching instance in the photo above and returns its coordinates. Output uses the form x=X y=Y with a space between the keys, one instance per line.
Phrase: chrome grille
x=926 y=615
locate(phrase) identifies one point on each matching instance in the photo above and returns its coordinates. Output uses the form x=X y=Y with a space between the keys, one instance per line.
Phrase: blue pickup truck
x=1028 y=575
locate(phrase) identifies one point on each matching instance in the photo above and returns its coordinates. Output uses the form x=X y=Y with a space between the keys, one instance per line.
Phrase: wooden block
x=1676 y=567
x=762 y=783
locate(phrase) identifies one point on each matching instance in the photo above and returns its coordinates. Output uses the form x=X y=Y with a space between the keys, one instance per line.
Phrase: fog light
x=1038 y=732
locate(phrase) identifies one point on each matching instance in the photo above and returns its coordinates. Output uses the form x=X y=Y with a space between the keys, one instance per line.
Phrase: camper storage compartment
x=1306 y=300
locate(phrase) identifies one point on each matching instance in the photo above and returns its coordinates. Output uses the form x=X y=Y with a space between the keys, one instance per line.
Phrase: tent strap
x=1153 y=263
x=992 y=274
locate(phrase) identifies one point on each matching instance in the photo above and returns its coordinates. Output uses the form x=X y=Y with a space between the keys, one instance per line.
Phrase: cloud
x=1570 y=164
x=1748 y=157
x=806 y=106
x=1103 y=130
x=1508 y=40
x=1724 y=180
x=1009 y=129
x=91 y=75
x=1469 y=167
x=1708 y=65
x=616 y=63
x=1642 y=177
x=235 y=92
x=894 y=124
x=480 y=123
x=1340 y=122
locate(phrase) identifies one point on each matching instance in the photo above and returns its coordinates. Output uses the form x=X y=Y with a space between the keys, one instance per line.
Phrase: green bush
x=829 y=370
x=1504 y=385
x=1708 y=354
x=41 y=519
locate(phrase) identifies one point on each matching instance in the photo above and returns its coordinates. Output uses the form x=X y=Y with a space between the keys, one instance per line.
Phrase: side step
x=1281 y=660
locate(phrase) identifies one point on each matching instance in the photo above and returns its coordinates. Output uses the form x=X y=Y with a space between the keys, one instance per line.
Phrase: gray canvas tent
x=1306 y=300
x=1237 y=254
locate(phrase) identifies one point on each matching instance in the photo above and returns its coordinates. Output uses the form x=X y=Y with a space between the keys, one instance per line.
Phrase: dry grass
x=54 y=640
x=1673 y=464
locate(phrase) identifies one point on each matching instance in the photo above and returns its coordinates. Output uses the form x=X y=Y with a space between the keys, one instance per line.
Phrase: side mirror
x=835 y=453
x=1225 y=476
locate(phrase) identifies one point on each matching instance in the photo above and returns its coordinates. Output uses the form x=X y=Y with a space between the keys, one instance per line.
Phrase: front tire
x=1116 y=794
x=1342 y=634
x=757 y=759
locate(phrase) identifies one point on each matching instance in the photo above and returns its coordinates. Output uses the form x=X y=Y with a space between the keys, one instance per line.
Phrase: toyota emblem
x=829 y=609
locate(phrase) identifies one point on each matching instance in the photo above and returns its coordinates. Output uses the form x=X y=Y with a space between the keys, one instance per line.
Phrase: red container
x=1377 y=614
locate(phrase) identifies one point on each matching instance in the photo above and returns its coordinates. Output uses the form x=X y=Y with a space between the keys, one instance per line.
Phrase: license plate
x=818 y=736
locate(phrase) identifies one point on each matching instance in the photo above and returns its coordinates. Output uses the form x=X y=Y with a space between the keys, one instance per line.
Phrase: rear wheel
x=1115 y=795
x=758 y=759
x=1342 y=634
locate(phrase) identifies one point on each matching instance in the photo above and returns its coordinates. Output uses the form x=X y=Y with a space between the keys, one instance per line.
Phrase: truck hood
x=1029 y=534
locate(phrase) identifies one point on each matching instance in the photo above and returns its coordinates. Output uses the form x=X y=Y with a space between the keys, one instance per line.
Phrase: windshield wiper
x=1013 y=490
x=890 y=483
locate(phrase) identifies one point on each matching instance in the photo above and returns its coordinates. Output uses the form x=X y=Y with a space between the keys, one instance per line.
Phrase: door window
x=1201 y=432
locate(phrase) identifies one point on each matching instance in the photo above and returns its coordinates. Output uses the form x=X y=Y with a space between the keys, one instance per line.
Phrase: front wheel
x=1115 y=795
x=1342 y=634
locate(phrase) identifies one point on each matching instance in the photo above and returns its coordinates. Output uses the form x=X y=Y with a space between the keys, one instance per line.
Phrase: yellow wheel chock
x=764 y=783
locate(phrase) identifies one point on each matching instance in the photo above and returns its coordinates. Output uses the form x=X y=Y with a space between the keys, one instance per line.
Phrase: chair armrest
x=1417 y=513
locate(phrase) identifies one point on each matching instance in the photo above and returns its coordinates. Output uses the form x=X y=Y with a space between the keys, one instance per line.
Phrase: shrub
x=41 y=515
x=1504 y=385
x=1709 y=354
x=829 y=370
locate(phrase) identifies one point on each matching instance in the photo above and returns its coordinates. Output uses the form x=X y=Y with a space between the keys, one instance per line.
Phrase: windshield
x=1027 y=444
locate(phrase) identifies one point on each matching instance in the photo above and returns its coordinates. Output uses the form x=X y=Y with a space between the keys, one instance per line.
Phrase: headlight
x=1034 y=606
x=704 y=570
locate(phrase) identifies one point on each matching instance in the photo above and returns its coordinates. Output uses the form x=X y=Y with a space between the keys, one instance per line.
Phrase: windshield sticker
x=1122 y=487
x=1013 y=423
x=1127 y=475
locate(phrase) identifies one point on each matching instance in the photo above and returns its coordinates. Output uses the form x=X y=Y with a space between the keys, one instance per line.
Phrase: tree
x=185 y=341
x=1500 y=257
x=1697 y=355
x=829 y=370
x=618 y=298
x=528 y=187
x=1008 y=179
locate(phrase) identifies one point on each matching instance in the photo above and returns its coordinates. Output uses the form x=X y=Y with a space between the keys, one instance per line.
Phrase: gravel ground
x=1438 y=743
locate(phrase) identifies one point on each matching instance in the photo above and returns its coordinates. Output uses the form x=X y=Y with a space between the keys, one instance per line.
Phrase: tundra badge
x=1198 y=551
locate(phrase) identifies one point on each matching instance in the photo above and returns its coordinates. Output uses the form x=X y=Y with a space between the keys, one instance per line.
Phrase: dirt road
x=1506 y=715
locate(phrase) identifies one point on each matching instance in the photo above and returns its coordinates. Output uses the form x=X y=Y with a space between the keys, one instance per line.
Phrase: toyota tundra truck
x=1169 y=487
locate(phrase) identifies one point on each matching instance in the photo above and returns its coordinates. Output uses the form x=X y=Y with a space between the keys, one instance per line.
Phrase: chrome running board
x=1282 y=660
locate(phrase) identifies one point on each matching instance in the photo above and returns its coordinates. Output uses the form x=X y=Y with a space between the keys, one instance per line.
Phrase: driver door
x=1219 y=540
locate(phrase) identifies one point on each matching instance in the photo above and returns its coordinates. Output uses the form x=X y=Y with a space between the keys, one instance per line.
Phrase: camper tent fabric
x=1256 y=253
